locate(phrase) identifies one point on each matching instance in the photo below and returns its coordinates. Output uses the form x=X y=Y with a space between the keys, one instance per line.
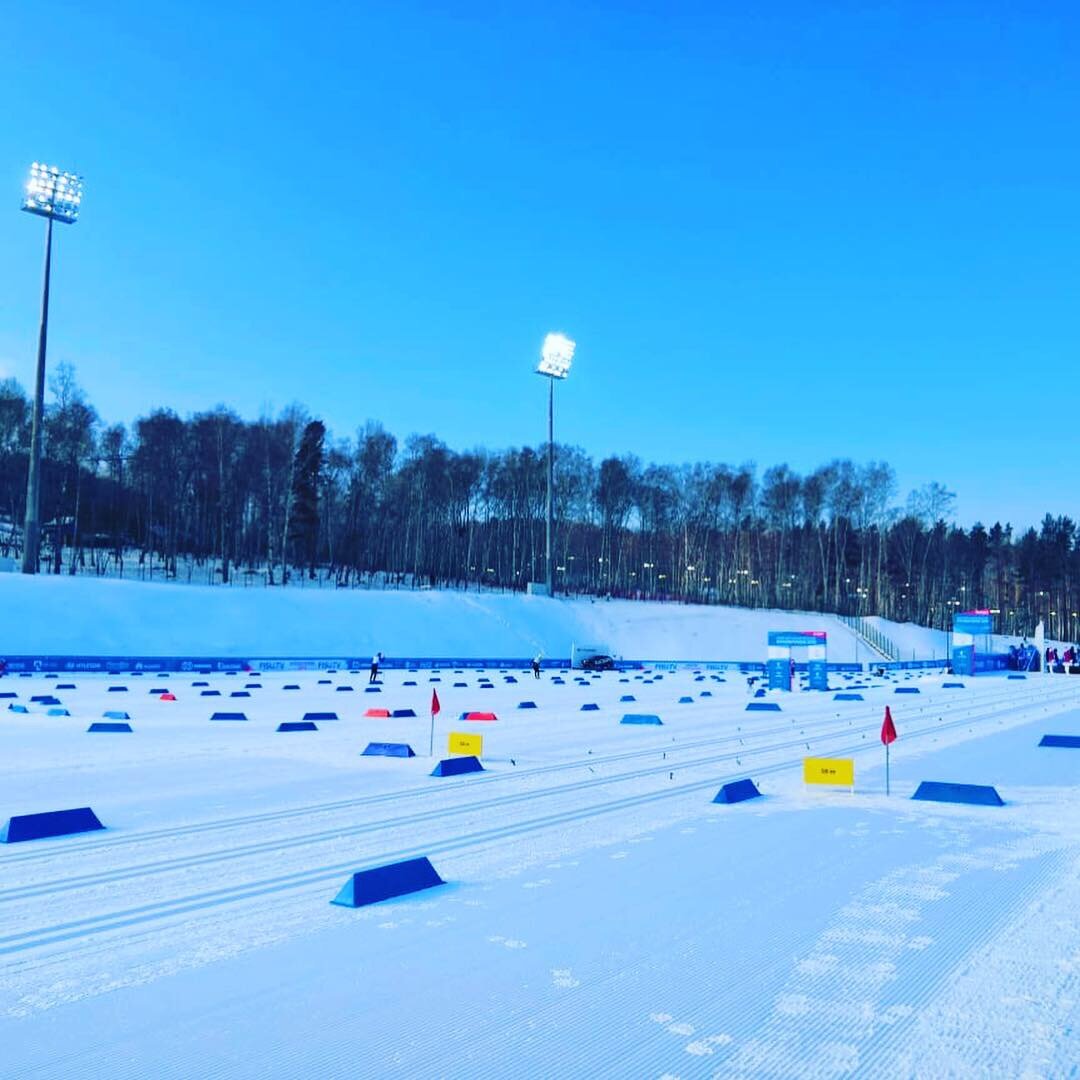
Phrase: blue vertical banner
x=781 y=642
x=818 y=671
x=779 y=669
x=963 y=660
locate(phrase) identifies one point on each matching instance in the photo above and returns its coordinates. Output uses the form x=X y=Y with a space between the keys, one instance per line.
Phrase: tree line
x=213 y=497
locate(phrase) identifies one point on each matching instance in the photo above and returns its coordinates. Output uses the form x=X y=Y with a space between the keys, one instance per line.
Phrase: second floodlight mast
x=556 y=356
x=56 y=196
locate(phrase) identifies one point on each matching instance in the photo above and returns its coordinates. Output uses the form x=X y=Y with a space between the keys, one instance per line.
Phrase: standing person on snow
x=536 y=665
x=376 y=660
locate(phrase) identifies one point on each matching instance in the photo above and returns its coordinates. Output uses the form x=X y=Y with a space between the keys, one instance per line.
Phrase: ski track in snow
x=98 y=913
x=838 y=1001
x=131 y=916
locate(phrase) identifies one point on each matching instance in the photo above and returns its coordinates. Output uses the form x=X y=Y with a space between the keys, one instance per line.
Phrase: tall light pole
x=556 y=356
x=56 y=196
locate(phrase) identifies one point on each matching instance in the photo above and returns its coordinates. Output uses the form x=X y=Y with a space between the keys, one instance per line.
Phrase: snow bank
x=921 y=643
x=914 y=642
x=97 y=616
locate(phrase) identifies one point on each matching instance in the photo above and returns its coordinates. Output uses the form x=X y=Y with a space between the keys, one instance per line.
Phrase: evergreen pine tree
x=304 y=522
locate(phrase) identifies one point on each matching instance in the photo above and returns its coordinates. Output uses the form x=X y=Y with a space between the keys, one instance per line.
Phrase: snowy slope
x=914 y=642
x=63 y=615
x=921 y=643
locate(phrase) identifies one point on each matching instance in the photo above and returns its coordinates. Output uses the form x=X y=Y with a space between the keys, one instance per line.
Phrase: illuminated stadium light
x=556 y=356
x=53 y=193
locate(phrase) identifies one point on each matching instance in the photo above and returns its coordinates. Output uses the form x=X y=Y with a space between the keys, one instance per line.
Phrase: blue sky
x=784 y=232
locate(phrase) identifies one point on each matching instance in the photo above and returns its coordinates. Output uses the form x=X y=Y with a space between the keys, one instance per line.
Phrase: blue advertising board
x=223 y=664
x=796 y=639
x=115 y=664
x=206 y=664
x=973 y=622
x=779 y=671
x=963 y=660
x=818 y=675
x=991 y=662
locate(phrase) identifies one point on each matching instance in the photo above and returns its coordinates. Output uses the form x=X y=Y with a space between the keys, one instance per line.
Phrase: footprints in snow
x=508 y=943
x=700 y=1047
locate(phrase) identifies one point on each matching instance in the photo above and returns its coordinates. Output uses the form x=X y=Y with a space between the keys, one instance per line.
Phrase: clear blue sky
x=779 y=232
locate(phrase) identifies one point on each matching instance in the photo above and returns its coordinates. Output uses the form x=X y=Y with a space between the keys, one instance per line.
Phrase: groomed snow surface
x=104 y=617
x=600 y=917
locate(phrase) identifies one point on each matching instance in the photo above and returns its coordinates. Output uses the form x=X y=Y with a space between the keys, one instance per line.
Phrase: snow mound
x=91 y=616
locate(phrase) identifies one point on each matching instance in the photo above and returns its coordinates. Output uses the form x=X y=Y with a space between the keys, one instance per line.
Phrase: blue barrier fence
x=991 y=662
x=909 y=665
x=222 y=664
x=117 y=664
x=225 y=664
x=209 y=664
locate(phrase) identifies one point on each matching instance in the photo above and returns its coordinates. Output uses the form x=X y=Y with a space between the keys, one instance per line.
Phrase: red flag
x=436 y=707
x=888 y=728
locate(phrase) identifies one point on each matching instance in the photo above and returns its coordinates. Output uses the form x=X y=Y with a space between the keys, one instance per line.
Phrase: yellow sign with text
x=839 y=772
x=460 y=743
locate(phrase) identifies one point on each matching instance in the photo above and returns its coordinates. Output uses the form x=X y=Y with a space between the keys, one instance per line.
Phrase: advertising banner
x=973 y=622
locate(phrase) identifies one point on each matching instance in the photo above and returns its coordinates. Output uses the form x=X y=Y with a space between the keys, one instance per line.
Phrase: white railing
x=871 y=635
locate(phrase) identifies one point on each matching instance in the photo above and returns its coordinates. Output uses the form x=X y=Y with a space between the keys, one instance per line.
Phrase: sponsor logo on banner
x=973 y=622
x=794 y=639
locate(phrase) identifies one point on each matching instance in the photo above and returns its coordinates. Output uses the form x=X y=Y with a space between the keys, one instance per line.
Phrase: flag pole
x=888 y=734
x=436 y=707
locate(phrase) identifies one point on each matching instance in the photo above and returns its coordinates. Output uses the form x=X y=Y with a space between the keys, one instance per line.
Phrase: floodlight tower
x=556 y=356
x=56 y=196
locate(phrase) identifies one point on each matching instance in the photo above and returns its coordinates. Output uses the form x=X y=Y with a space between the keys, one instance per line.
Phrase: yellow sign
x=460 y=743
x=840 y=772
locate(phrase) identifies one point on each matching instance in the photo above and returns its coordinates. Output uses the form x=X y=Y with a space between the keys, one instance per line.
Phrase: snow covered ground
x=65 y=615
x=601 y=917
x=916 y=642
